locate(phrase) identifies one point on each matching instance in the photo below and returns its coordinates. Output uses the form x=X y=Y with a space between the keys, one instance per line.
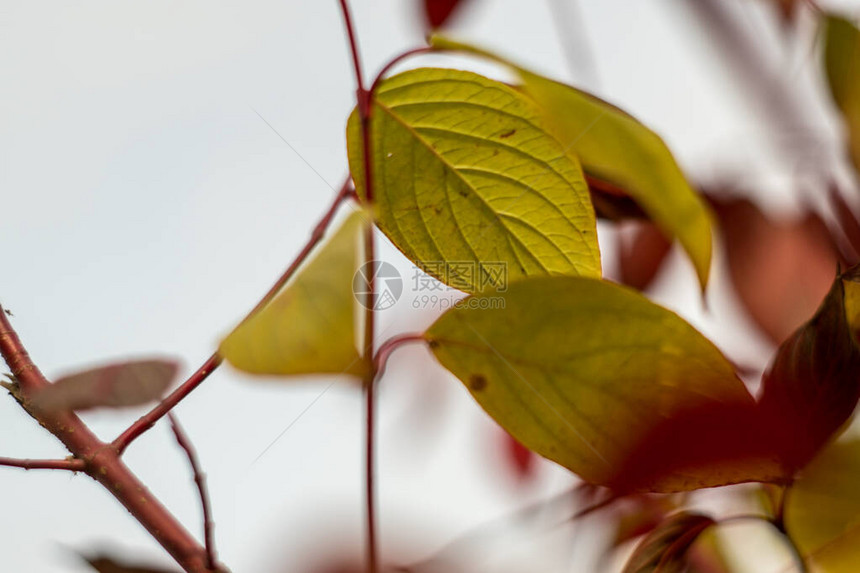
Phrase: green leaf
x=308 y=328
x=664 y=550
x=822 y=512
x=585 y=372
x=465 y=171
x=842 y=65
x=615 y=148
x=812 y=388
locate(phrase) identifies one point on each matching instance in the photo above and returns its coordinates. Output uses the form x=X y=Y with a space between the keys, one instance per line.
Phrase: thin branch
x=380 y=359
x=353 y=45
x=370 y=409
x=101 y=462
x=363 y=103
x=396 y=60
x=200 y=479
x=149 y=419
x=71 y=464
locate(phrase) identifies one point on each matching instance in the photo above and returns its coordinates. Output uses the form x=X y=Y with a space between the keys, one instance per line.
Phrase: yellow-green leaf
x=308 y=327
x=615 y=148
x=823 y=510
x=580 y=370
x=464 y=170
x=842 y=64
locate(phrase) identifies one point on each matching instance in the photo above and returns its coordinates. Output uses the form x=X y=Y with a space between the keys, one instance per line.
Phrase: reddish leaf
x=729 y=441
x=521 y=459
x=813 y=384
x=114 y=386
x=780 y=270
x=849 y=225
x=665 y=548
x=641 y=256
x=437 y=12
x=611 y=202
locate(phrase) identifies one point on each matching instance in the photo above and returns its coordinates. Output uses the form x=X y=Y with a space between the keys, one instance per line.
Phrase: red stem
x=387 y=67
x=146 y=421
x=72 y=464
x=200 y=480
x=101 y=461
x=149 y=419
x=370 y=410
x=364 y=108
x=380 y=359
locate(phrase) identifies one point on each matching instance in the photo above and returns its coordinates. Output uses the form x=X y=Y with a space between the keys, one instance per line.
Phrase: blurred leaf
x=308 y=328
x=521 y=460
x=437 y=12
x=612 y=203
x=617 y=149
x=114 y=386
x=842 y=65
x=582 y=371
x=637 y=515
x=780 y=270
x=641 y=255
x=104 y=564
x=813 y=385
x=465 y=173
x=664 y=550
x=822 y=512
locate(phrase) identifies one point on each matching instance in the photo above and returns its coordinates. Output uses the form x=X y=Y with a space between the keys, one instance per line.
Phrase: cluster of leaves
x=581 y=370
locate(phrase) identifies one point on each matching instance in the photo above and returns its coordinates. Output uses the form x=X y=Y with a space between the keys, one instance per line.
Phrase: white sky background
x=144 y=207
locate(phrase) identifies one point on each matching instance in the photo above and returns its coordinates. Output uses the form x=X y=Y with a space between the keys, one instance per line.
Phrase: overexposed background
x=145 y=207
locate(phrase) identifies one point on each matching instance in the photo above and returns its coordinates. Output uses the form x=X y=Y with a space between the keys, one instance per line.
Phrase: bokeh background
x=147 y=202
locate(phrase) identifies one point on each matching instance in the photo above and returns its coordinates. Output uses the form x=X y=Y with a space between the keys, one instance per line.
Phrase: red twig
x=72 y=464
x=101 y=461
x=149 y=419
x=396 y=60
x=370 y=408
x=363 y=102
x=146 y=421
x=380 y=359
x=200 y=480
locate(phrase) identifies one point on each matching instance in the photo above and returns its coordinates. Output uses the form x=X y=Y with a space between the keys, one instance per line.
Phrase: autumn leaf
x=822 y=513
x=842 y=66
x=554 y=364
x=781 y=270
x=465 y=172
x=617 y=150
x=664 y=550
x=437 y=12
x=641 y=254
x=117 y=385
x=812 y=387
x=308 y=328
x=521 y=460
